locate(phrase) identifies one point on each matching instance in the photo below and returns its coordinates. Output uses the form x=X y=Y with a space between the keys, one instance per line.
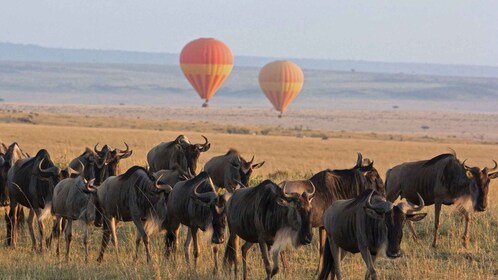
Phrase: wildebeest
x=133 y=196
x=31 y=183
x=92 y=163
x=74 y=199
x=229 y=169
x=171 y=177
x=366 y=224
x=441 y=180
x=113 y=157
x=179 y=152
x=8 y=157
x=332 y=185
x=194 y=203
x=271 y=217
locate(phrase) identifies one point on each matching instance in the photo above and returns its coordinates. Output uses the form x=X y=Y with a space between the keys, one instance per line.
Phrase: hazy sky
x=436 y=31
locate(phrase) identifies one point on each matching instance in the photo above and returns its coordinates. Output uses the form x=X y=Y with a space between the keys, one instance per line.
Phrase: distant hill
x=34 y=53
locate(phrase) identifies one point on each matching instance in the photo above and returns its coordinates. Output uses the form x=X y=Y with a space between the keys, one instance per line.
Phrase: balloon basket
x=205 y=105
x=280 y=115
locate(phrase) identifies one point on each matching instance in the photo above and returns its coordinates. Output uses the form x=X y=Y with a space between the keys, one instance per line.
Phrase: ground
x=289 y=152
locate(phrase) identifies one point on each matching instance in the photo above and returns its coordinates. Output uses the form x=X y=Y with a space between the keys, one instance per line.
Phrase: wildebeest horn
x=310 y=195
x=211 y=196
x=163 y=187
x=415 y=208
x=182 y=140
x=204 y=147
x=240 y=184
x=96 y=150
x=54 y=170
x=76 y=172
x=359 y=160
x=90 y=187
x=464 y=165
x=126 y=153
x=287 y=195
x=378 y=206
x=494 y=168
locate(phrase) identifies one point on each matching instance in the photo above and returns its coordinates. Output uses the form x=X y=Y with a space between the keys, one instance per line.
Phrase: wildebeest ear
x=493 y=175
x=258 y=165
x=469 y=174
x=415 y=217
x=373 y=214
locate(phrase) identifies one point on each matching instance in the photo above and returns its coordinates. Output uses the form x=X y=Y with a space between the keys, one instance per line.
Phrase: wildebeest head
x=372 y=176
x=241 y=169
x=394 y=217
x=479 y=184
x=44 y=176
x=299 y=213
x=115 y=156
x=204 y=199
x=219 y=219
x=192 y=151
x=4 y=169
x=7 y=160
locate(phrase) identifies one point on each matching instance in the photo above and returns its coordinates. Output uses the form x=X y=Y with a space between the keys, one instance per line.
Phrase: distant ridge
x=35 y=53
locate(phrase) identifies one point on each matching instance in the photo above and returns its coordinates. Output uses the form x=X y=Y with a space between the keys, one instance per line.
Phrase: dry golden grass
x=285 y=157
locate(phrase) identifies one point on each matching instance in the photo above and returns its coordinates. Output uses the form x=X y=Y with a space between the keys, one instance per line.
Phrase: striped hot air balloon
x=206 y=63
x=281 y=81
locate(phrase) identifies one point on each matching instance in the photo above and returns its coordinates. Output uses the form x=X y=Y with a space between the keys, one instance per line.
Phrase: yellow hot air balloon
x=206 y=63
x=281 y=81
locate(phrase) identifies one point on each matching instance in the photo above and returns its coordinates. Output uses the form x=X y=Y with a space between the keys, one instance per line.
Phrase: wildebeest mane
x=361 y=198
x=438 y=158
x=347 y=183
x=231 y=151
x=129 y=173
x=87 y=150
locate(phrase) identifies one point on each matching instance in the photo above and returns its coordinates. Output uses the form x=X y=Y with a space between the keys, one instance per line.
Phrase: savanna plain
x=289 y=154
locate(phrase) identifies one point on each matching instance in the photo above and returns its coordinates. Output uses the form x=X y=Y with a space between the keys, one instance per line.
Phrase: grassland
x=286 y=156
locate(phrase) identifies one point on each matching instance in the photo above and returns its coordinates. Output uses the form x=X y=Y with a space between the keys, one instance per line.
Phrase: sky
x=422 y=31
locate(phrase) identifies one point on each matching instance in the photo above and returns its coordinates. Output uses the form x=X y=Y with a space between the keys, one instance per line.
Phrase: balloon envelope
x=281 y=81
x=206 y=63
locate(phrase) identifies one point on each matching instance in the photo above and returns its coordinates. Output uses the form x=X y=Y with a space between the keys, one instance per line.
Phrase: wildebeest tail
x=231 y=251
x=328 y=263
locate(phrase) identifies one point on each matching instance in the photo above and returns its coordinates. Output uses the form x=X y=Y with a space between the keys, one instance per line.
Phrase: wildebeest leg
x=230 y=256
x=321 y=243
x=31 y=230
x=275 y=269
x=41 y=227
x=465 y=236
x=285 y=263
x=412 y=229
x=137 y=244
x=115 y=236
x=336 y=255
x=436 y=223
x=186 y=246
x=196 y=245
x=12 y=226
x=245 y=249
x=215 y=257
x=69 y=236
x=367 y=274
x=85 y=240
x=266 y=260
x=145 y=238
x=106 y=232
x=367 y=258
x=56 y=232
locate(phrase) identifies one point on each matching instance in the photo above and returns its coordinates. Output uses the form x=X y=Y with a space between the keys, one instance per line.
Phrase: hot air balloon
x=281 y=81
x=206 y=63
